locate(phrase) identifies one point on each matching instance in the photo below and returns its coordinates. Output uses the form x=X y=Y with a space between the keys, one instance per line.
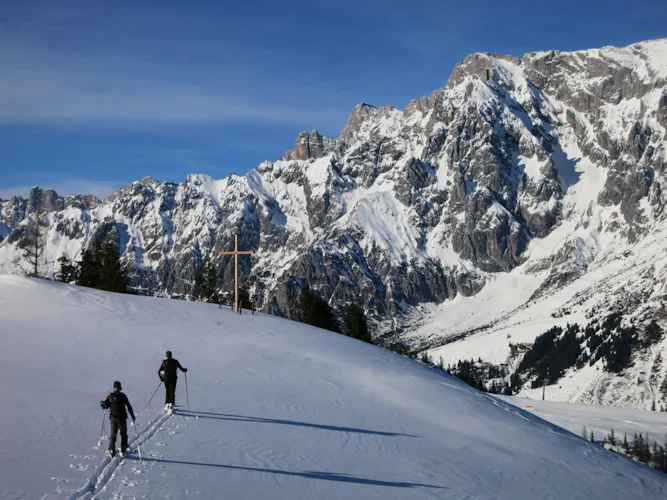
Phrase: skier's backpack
x=117 y=404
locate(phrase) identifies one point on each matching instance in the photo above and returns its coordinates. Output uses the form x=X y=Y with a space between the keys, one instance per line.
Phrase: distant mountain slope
x=278 y=410
x=534 y=178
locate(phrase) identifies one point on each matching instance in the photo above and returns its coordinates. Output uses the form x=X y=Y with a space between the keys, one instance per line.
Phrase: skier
x=116 y=402
x=169 y=375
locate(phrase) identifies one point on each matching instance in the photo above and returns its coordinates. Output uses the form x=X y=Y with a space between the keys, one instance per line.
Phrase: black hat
x=169 y=354
x=116 y=385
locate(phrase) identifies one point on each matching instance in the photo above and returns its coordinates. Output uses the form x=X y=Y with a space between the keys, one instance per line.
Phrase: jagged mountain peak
x=310 y=145
x=478 y=65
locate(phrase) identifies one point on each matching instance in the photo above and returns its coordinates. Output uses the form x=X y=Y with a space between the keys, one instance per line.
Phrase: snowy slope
x=279 y=410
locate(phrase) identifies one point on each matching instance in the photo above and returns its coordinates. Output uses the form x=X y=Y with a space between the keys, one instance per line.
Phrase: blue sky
x=96 y=94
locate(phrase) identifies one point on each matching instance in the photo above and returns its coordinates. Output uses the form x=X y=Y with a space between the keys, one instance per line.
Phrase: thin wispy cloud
x=32 y=89
x=128 y=88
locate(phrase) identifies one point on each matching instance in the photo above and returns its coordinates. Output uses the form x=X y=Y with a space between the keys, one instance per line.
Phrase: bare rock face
x=489 y=236
x=409 y=206
x=309 y=146
x=662 y=109
x=604 y=77
x=359 y=115
x=47 y=200
x=479 y=66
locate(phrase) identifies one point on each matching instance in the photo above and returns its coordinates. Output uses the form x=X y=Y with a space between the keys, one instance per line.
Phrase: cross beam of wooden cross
x=236 y=254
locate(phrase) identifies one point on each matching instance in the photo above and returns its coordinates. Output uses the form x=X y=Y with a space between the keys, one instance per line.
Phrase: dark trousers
x=170 y=386
x=118 y=424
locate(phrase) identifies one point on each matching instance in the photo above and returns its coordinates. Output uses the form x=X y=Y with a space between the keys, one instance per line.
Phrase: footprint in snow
x=80 y=467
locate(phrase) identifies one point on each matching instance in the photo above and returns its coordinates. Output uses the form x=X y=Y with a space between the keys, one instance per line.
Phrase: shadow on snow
x=259 y=420
x=325 y=476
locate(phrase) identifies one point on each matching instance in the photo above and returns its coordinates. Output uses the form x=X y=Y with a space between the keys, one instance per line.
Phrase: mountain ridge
x=535 y=170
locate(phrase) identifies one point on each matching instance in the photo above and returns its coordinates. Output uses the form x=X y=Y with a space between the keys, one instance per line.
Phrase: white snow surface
x=596 y=418
x=278 y=410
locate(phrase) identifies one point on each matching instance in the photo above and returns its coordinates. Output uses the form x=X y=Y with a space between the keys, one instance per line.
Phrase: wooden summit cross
x=236 y=254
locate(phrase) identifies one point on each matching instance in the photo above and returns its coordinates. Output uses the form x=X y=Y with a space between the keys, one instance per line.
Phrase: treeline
x=553 y=352
x=654 y=455
x=559 y=349
x=313 y=310
x=486 y=377
x=99 y=267
x=483 y=376
x=207 y=289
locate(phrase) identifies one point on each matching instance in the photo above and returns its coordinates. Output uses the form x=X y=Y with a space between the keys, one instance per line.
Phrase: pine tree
x=653 y=406
x=626 y=446
x=592 y=437
x=244 y=297
x=639 y=448
x=206 y=283
x=612 y=438
x=314 y=310
x=33 y=244
x=112 y=275
x=100 y=267
x=584 y=434
x=89 y=268
x=68 y=271
x=355 y=323
x=661 y=459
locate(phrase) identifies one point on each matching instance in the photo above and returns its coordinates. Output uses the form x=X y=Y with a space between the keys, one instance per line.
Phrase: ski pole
x=151 y=399
x=187 y=396
x=102 y=431
x=137 y=434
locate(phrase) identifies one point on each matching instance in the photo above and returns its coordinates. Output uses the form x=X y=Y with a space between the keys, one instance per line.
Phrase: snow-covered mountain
x=278 y=410
x=525 y=193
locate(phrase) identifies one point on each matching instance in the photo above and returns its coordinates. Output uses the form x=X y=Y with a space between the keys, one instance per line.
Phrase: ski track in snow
x=106 y=469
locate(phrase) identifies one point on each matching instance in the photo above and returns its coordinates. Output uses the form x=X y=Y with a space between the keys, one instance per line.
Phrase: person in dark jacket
x=169 y=375
x=116 y=402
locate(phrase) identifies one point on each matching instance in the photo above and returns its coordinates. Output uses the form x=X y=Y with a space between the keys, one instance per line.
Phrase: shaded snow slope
x=279 y=410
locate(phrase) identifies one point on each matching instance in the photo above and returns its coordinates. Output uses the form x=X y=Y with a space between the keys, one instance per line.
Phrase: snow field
x=278 y=410
x=597 y=418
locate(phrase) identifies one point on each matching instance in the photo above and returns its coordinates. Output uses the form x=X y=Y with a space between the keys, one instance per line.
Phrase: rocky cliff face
x=416 y=206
